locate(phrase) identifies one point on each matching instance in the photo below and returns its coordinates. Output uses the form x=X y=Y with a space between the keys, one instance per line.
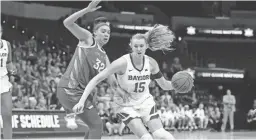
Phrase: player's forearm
x=234 y=101
x=167 y=85
x=72 y=18
x=92 y=84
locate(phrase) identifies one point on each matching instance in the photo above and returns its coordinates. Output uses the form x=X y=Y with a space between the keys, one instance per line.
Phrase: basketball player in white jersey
x=5 y=93
x=134 y=73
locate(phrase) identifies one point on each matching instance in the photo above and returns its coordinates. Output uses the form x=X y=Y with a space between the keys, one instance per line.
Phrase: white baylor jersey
x=136 y=82
x=4 y=51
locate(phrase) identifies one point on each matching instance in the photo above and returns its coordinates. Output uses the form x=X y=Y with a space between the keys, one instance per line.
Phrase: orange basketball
x=182 y=82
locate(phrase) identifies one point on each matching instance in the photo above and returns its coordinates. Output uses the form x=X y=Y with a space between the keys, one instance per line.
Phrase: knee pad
x=146 y=137
x=162 y=134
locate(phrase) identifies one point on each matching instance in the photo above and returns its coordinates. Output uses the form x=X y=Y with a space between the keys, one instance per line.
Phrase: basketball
x=182 y=82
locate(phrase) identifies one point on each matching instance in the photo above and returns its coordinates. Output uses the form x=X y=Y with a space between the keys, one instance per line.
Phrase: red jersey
x=86 y=63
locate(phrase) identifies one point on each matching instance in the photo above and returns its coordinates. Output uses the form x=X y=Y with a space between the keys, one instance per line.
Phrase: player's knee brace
x=162 y=134
x=146 y=137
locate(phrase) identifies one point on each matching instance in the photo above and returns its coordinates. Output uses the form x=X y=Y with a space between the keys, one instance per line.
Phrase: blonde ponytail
x=160 y=38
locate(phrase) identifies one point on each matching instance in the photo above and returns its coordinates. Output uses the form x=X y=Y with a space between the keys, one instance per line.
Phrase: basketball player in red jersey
x=88 y=60
x=6 y=67
x=134 y=73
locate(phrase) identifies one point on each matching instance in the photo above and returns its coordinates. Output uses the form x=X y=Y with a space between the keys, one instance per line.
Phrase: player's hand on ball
x=93 y=6
x=79 y=107
x=182 y=82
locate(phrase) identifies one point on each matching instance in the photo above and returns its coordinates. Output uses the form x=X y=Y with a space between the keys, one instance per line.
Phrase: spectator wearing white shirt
x=166 y=99
x=181 y=117
x=229 y=102
x=189 y=118
x=200 y=116
x=172 y=113
x=163 y=116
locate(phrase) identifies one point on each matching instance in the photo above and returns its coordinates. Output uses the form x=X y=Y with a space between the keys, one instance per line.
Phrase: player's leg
x=206 y=121
x=186 y=122
x=231 y=120
x=6 y=111
x=109 y=128
x=156 y=128
x=179 y=122
x=94 y=122
x=151 y=118
x=132 y=119
x=138 y=128
x=67 y=104
x=225 y=119
x=201 y=122
x=183 y=122
x=165 y=122
x=121 y=128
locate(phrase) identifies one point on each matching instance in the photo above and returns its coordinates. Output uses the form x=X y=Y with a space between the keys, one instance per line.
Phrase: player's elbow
x=67 y=23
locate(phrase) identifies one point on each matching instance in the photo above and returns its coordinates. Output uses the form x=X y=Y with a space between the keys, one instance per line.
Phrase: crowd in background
x=34 y=87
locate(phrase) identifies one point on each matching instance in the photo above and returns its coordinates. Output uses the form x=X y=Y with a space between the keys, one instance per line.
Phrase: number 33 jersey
x=136 y=81
x=85 y=64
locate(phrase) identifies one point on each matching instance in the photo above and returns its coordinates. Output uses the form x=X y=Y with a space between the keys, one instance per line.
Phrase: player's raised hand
x=93 y=6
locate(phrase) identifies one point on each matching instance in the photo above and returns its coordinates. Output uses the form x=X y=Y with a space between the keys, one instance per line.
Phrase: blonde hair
x=160 y=38
x=139 y=36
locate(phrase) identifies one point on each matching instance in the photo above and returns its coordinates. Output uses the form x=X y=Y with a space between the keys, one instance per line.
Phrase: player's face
x=139 y=46
x=201 y=106
x=102 y=34
x=228 y=92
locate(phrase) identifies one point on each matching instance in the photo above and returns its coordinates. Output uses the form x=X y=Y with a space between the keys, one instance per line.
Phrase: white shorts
x=146 y=111
x=5 y=85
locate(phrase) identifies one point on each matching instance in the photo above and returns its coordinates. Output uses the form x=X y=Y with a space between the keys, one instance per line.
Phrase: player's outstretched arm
x=79 y=32
x=157 y=75
x=116 y=67
x=111 y=79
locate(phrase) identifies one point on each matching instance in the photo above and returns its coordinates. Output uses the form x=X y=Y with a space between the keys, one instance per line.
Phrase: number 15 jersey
x=136 y=81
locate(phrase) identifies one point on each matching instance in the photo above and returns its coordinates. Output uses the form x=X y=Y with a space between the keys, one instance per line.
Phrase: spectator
x=176 y=66
x=104 y=97
x=21 y=102
x=229 y=102
x=165 y=99
x=172 y=113
x=181 y=117
x=194 y=99
x=251 y=117
x=32 y=103
x=200 y=117
x=214 y=118
x=189 y=122
x=41 y=104
x=166 y=70
x=114 y=124
x=164 y=117
x=103 y=115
